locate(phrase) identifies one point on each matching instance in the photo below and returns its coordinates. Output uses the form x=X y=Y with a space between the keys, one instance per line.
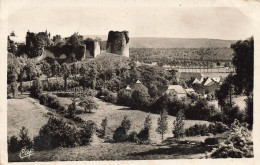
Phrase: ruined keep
x=118 y=43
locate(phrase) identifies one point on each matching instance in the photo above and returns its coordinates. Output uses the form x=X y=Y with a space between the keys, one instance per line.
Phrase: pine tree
x=162 y=123
x=178 y=125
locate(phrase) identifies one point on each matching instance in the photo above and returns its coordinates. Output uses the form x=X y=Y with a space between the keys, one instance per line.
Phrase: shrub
x=124 y=97
x=237 y=144
x=72 y=110
x=103 y=125
x=220 y=127
x=143 y=135
x=133 y=137
x=197 y=130
x=62 y=109
x=25 y=140
x=56 y=133
x=36 y=88
x=227 y=152
x=120 y=134
x=201 y=110
x=107 y=96
x=13 y=144
x=87 y=132
x=43 y=99
x=211 y=141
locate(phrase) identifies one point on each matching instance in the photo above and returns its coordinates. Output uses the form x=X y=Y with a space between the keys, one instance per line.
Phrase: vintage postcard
x=116 y=81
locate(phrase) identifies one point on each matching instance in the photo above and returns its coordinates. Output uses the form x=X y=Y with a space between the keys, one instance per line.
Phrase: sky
x=140 y=20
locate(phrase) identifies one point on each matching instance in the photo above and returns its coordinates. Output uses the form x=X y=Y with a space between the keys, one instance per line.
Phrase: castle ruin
x=118 y=43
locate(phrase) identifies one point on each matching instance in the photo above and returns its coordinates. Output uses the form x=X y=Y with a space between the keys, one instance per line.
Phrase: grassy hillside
x=25 y=112
x=115 y=115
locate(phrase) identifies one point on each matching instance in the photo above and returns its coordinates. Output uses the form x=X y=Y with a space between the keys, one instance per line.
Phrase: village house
x=175 y=89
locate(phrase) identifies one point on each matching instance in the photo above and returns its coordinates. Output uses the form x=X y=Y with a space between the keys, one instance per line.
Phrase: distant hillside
x=155 y=42
x=143 y=42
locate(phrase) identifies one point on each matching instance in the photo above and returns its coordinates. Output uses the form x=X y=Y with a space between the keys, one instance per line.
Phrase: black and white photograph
x=116 y=81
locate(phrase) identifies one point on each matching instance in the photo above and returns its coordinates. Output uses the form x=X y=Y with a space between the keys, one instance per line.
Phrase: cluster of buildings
x=196 y=81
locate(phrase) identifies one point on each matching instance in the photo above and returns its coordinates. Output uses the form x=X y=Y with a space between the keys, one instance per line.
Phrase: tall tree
x=243 y=61
x=162 y=123
x=65 y=71
x=55 y=68
x=178 y=125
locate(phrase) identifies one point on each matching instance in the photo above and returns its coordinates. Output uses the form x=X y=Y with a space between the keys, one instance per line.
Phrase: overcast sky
x=140 y=21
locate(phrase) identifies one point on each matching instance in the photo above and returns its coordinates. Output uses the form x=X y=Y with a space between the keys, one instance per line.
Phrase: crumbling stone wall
x=118 y=43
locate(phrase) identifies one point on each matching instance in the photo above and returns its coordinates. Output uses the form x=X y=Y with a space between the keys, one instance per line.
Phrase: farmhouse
x=190 y=90
x=176 y=89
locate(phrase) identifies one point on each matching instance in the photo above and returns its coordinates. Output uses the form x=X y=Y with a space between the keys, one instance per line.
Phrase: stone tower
x=97 y=50
x=118 y=43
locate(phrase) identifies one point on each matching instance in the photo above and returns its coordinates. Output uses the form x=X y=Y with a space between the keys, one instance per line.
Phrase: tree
x=120 y=134
x=249 y=111
x=178 y=125
x=36 y=88
x=12 y=78
x=65 y=71
x=226 y=91
x=104 y=125
x=74 y=69
x=162 y=123
x=148 y=122
x=30 y=70
x=72 y=109
x=87 y=132
x=88 y=103
x=75 y=40
x=25 y=140
x=243 y=61
x=144 y=134
x=46 y=69
x=56 y=68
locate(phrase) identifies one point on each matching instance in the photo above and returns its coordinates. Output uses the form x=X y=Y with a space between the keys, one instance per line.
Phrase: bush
x=201 y=110
x=143 y=135
x=120 y=134
x=36 y=88
x=238 y=143
x=124 y=97
x=13 y=144
x=133 y=137
x=211 y=141
x=197 y=130
x=56 y=133
x=107 y=96
x=227 y=152
x=25 y=139
x=87 y=132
